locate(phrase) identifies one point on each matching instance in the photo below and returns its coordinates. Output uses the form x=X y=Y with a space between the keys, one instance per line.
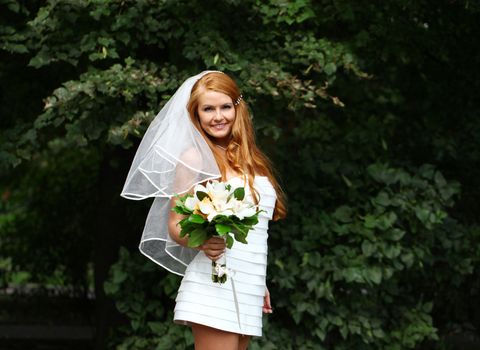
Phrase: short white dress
x=236 y=305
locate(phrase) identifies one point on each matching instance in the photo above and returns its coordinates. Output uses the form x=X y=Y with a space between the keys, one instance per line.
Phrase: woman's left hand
x=267 y=306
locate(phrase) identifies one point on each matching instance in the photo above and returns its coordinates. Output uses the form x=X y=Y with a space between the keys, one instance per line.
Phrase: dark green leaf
x=222 y=229
x=197 y=238
x=229 y=241
x=240 y=237
x=239 y=193
x=196 y=218
x=201 y=195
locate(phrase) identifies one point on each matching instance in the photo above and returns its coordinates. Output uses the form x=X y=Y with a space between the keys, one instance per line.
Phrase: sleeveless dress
x=236 y=305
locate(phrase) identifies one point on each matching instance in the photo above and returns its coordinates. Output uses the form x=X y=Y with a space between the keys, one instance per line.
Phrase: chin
x=219 y=135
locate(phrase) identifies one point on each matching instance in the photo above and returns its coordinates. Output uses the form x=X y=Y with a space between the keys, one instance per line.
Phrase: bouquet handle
x=219 y=270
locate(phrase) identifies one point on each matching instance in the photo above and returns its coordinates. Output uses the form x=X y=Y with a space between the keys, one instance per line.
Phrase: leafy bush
x=145 y=294
x=368 y=110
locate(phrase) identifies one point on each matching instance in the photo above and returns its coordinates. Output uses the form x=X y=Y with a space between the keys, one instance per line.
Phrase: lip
x=220 y=126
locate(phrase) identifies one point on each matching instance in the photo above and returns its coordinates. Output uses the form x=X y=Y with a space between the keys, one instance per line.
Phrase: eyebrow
x=222 y=104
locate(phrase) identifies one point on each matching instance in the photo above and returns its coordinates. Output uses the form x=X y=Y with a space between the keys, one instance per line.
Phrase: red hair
x=242 y=154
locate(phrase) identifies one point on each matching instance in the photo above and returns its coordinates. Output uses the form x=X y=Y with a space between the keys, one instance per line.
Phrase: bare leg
x=208 y=338
x=243 y=341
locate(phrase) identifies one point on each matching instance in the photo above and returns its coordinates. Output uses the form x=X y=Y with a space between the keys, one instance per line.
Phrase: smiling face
x=216 y=114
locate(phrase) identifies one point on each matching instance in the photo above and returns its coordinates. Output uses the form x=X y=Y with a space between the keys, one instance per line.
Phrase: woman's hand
x=267 y=306
x=214 y=248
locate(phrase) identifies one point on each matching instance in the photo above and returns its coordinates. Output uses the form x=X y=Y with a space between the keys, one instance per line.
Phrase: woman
x=205 y=132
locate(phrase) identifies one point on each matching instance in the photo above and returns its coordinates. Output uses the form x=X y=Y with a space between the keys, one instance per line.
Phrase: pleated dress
x=236 y=305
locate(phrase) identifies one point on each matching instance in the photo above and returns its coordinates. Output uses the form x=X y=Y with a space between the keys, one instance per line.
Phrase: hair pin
x=237 y=102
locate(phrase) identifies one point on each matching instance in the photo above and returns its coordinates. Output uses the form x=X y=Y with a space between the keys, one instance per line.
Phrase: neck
x=221 y=147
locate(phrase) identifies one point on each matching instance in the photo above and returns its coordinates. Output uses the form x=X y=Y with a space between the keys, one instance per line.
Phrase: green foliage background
x=369 y=111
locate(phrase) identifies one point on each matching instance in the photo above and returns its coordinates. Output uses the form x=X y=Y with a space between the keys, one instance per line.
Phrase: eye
x=208 y=109
x=227 y=106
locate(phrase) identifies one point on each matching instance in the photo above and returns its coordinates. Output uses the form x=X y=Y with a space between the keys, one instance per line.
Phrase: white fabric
x=233 y=307
x=172 y=157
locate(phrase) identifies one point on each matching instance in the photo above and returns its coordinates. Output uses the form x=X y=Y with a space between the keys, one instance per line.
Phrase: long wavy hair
x=242 y=154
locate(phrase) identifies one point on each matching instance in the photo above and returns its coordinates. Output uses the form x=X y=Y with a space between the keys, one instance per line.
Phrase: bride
x=205 y=132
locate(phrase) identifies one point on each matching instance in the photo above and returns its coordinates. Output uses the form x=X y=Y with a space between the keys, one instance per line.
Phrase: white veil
x=172 y=157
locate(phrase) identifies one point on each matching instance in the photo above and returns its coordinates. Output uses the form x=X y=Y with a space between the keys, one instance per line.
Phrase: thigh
x=243 y=341
x=208 y=338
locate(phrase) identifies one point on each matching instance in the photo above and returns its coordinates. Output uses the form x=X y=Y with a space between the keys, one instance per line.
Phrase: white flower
x=245 y=213
x=206 y=206
x=242 y=209
x=220 y=270
x=220 y=201
x=218 y=191
x=191 y=202
x=199 y=188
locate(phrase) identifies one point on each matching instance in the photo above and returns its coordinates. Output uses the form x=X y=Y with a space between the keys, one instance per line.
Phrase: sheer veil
x=171 y=158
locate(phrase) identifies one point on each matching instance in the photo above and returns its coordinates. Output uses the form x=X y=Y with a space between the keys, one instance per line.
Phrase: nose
x=218 y=114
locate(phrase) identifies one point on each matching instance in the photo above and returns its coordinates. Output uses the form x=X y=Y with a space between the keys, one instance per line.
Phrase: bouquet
x=216 y=209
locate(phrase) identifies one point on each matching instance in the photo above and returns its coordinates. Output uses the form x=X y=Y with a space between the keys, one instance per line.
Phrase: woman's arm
x=267 y=305
x=173 y=227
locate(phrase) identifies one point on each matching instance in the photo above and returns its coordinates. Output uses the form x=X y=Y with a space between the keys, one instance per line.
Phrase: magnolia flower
x=206 y=207
x=200 y=188
x=191 y=203
x=218 y=191
x=222 y=206
x=242 y=209
x=219 y=200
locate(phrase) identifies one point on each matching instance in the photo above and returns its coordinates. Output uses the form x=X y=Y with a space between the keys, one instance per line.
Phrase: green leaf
x=197 y=237
x=386 y=221
x=370 y=221
x=20 y=277
x=135 y=324
x=157 y=327
x=181 y=210
x=382 y=199
x=347 y=181
x=408 y=259
x=344 y=331
x=343 y=214
x=377 y=332
x=250 y=221
x=240 y=228
x=395 y=234
x=353 y=274
x=240 y=237
x=239 y=193
x=330 y=68
x=197 y=219
x=229 y=241
x=368 y=248
x=119 y=276
x=374 y=274
x=222 y=229
x=336 y=320
x=392 y=251
x=422 y=214
x=201 y=195
x=188 y=227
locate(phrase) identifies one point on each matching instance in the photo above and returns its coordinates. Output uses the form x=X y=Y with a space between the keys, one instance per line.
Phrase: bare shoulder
x=192 y=157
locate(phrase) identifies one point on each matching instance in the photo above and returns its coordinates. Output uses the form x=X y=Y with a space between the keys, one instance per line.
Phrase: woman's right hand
x=214 y=248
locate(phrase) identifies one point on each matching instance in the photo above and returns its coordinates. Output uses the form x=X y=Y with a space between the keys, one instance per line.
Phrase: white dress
x=237 y=309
